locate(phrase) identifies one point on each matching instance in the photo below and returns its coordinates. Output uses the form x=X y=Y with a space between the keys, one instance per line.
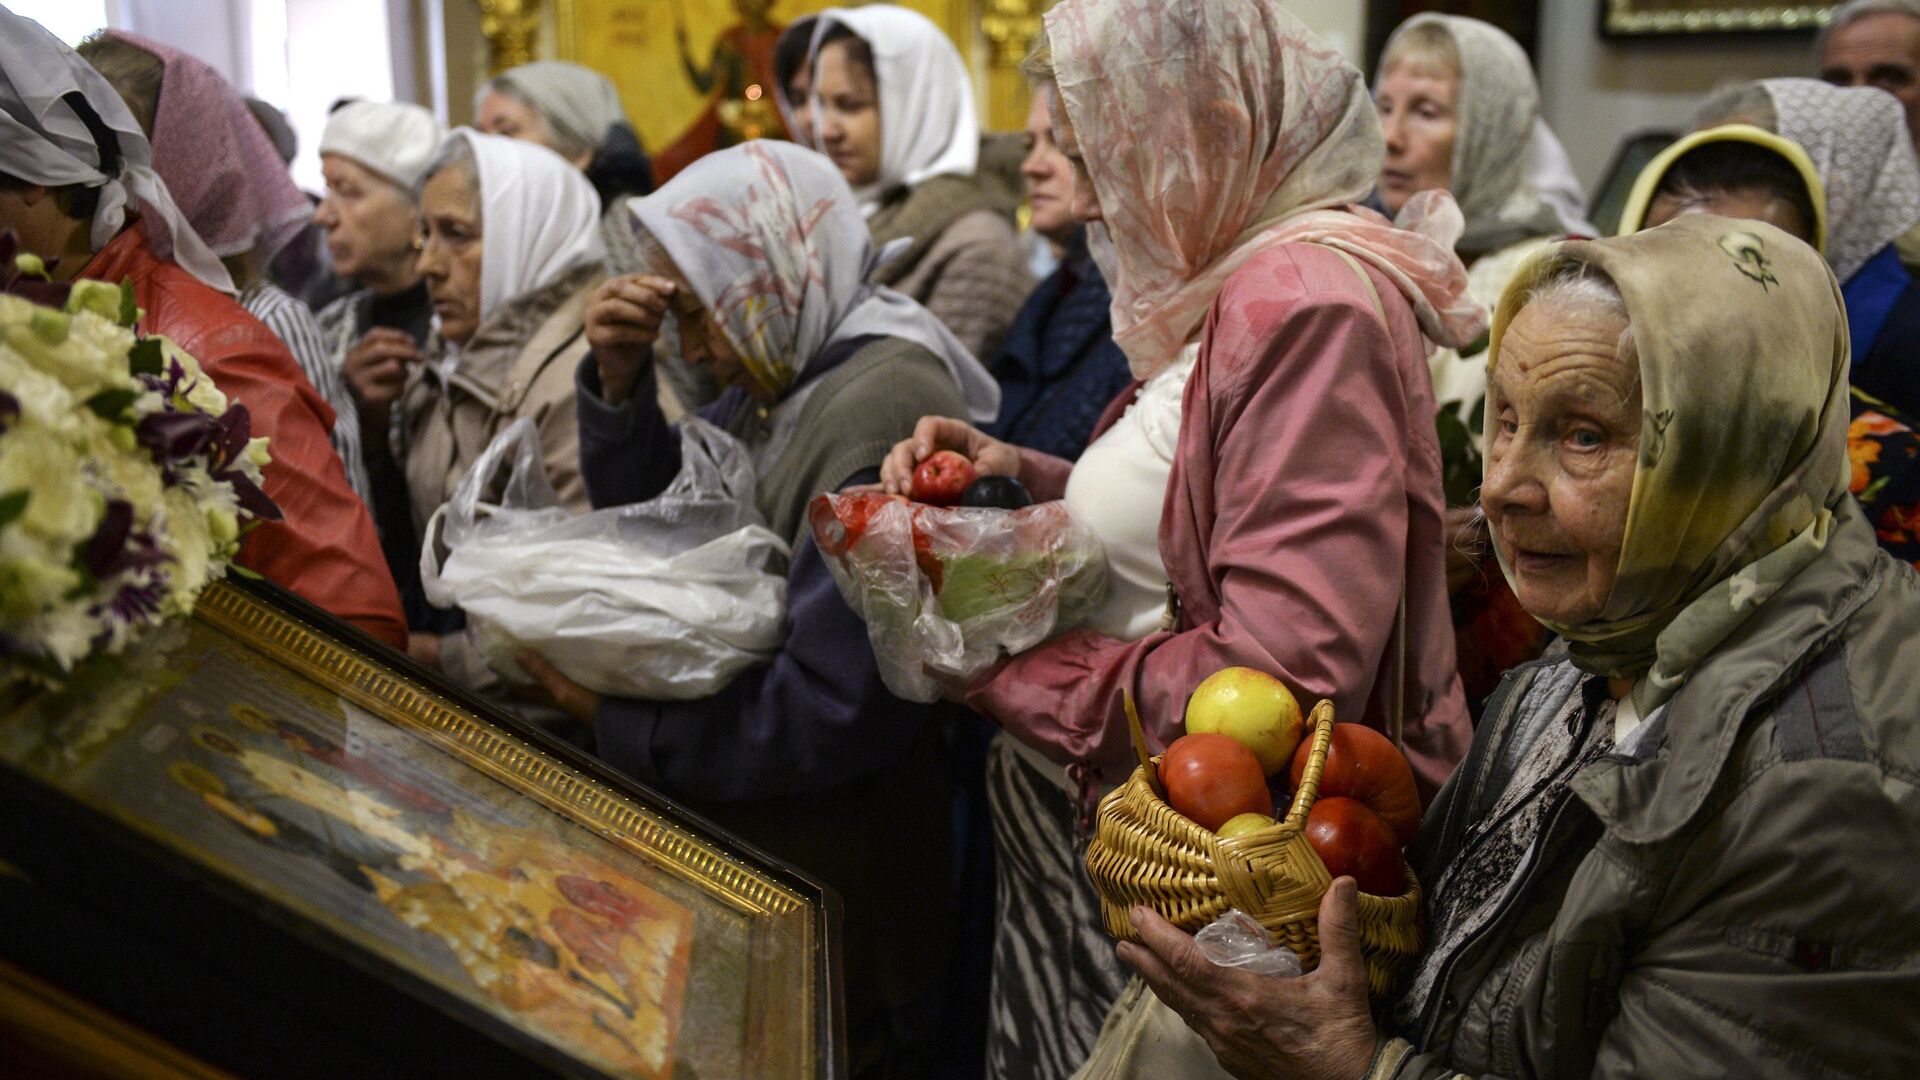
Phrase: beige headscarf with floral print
x=1742 y=344
x=1214 y=129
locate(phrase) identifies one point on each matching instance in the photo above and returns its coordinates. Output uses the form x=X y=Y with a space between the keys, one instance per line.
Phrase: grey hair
x=1571 y=287
x=454 y=153
x=1854 y=10
x=566 y=142
x=1738 y=103
x=1038 y=66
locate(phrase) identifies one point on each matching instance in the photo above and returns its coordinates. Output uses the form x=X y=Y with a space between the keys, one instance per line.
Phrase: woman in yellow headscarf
x=1683 y=847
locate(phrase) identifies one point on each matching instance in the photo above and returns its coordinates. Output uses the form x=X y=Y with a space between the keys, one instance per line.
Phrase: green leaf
x=240 y=571
x=111 y=404
x=13 y=504
x=129 y=310
x=1476 y=346
x=146 y=357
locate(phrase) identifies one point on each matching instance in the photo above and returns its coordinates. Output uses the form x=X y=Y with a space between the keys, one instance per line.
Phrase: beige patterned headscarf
x=1214 y=129
x=1742 y=344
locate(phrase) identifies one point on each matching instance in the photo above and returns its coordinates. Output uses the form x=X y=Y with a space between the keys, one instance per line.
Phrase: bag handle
x=1397 y=647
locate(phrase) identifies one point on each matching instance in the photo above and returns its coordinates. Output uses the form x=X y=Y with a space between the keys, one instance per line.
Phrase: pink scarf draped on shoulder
x=1214 y=129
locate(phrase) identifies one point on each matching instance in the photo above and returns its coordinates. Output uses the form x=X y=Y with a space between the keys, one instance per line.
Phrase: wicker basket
x=1146 y=853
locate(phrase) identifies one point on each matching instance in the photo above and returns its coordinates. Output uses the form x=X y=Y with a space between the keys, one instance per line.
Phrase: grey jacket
x=1737 y=896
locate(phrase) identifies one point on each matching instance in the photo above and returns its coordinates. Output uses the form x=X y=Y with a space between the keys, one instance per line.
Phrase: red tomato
x=940 y=480
x=1363 y=764
x=1354 y=842
x=839 y=521
x=1212 y=779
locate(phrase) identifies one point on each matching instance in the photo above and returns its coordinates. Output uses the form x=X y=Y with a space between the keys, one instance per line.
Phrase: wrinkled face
x=1417 y=107
x=450 y=258
x=1754 y=204
x=1565 y=436
x=503 y=114
x=1881 y=51
x=799 y=93
x=848 y=125
x=702 y=342
x=1086 y=203
x=370 y=225
x=1049 y=177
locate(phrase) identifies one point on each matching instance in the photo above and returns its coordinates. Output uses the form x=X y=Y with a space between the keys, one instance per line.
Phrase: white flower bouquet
x=126 y=477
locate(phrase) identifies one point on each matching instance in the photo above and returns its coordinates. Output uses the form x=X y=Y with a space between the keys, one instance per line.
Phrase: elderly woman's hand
x=376 y=371
x=556 y=689
x=989 y=455
x=1262 y=1027
x=623 y=322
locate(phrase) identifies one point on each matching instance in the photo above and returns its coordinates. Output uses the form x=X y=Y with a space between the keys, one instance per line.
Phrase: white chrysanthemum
x=86 y=362
x=61 y=506
x=199 y=390
x=186 y=538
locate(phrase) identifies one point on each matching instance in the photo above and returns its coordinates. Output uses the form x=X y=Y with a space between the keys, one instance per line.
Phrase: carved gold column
x=1010 y=27
x=511 y=27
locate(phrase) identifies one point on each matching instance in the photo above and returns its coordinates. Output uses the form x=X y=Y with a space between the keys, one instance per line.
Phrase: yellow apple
x=1242 y=824
x=1252 y=708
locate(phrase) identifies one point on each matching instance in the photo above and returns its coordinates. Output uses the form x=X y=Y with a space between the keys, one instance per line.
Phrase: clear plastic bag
x=947 y=592
x=1236 y=940
x=667 y=599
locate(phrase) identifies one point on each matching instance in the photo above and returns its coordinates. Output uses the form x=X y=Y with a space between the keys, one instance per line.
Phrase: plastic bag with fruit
x=692 y=580
x=948 y=590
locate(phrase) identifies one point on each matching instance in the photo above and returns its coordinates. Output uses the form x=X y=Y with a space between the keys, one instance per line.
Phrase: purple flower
x=174 y=436
x=9 y=410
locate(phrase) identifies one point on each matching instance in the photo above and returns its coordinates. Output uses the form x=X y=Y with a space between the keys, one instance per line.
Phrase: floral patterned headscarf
x=1742 y=345
x=1213 y=129
x=774 y=247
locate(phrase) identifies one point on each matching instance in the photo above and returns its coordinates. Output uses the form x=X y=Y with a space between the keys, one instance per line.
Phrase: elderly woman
x=371 y=156
x=1738 y=170
x=893 y=107
x=1245 y=522
x=764 y=263
x=1682 y=847
x=77 y=184
x=221 y=169
x=512 y=253
x=1853 y=150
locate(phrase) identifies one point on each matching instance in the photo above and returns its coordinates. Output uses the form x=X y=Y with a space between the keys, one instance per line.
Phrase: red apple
x=1212 y=779
x=1251 y=707
x=942 y=477
x=1354 y=842
x=1363 y=764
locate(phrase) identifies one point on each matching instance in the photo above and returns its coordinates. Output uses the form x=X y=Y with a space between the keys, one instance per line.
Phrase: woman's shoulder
x=912 y=373
x=1294 y=279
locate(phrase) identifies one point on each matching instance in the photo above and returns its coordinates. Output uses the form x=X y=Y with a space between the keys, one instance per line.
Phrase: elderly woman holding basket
x=1682 y=847
x=1268 y=493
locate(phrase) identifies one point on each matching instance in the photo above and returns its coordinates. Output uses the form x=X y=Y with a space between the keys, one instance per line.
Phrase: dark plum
x=996 y=492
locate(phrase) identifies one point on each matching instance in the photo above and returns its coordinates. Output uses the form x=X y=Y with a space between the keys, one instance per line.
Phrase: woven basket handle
x=1322 y=717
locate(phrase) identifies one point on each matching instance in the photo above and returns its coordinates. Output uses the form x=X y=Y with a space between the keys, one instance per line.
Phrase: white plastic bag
x=947 y=591
x=667 y=599
x=1236 y=940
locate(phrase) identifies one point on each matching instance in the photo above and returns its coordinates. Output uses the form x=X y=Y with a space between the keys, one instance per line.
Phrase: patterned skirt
x=1055 y=974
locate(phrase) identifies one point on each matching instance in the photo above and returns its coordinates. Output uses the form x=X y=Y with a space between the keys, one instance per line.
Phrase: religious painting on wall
x=1639 y=18
x=565 y=915
x=698 y=75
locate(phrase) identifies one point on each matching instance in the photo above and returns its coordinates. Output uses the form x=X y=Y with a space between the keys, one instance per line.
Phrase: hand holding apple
x=941 y=478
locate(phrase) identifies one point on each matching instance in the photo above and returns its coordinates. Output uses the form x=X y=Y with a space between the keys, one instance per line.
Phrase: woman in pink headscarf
x=229 y=181
x=1268 y=493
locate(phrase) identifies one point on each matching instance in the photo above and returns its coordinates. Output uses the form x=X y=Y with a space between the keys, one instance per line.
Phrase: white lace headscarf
x=771 y=241
x=62 y=124
x=1858 y=140
x=1214 y=129
x=927 y=123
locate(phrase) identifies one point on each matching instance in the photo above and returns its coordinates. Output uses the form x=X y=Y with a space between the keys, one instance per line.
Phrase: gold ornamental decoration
x=1011 y=25
x=510 y=27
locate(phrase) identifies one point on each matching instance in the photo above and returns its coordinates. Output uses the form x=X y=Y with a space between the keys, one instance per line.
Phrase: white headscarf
x=578 y=101
x=1858 y=140
x=45 y=139
x=768 y=236
x=392 y=138
x=539 y=217
x=1550 y=172
x=927 y=123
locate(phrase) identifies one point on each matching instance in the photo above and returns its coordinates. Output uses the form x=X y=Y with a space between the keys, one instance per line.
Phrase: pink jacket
x=1305 y=494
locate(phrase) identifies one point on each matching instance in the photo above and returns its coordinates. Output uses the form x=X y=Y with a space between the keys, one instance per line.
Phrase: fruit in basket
x=1355 y=842
x=1242 y=824
x=939 y=480
x=997 y=493
x=1364 y=764
x=1211 y=779
x=1252 y=708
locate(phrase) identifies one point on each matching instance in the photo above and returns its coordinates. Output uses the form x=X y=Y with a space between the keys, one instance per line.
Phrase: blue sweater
x=1059 y=367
